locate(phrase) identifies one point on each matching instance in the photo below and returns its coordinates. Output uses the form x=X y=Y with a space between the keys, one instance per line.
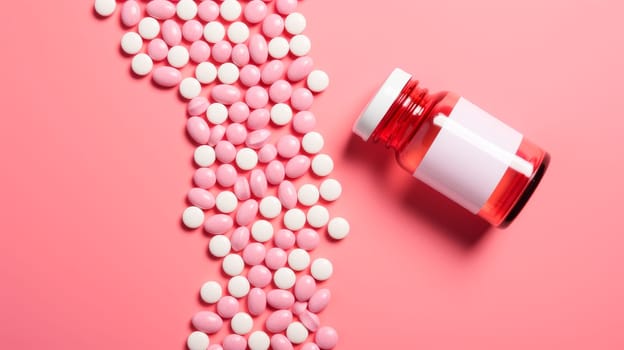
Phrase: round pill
x=236 y=133
x=227 y=306
x=254 y=254
x=240 y=55
x=299 y=307
x=330 y=190
x=238 y=112
x=262 y=231
x=217 y=113
x=186 y=9
x=280 y=91
x=190 y=88
x=305 y=287
x=275 y=172
x=208 y=10
x=211 y=292
x=199 y=51
x=192 y=30
x=288 y=146
x=273 y=25
x=298 y=259
x=226 y=174
x=326 y=338
x=226 y=202
x=295 y=23
x=215 y=347
x=201 y=198
x=238 y=32
x=230 y=10
x=142 y=64
x=256 y=97
x=204 y=156
x=304 y=122
x=246 y=158
x=300 y=45
x=207 y=321
x=219 y=246
x=270 y=207
x=193 y=217
x=238 y=286
x=214 y=32
x=259 y=276
x=250 y=75
x=196 y=106
x=312 y=142
x=241 y=323
x=296 y=333
x=178 y=56
x=284 y=239
x=206 y=72
x=294 y=219
x=278 y=47
x=105 y=8
x=259 y=340
x=149 y=28
x=338 y=228
x=301 y=99
x=197 y=340
x=322 y=165
x=281 y=114
x=222 y=51
x=308 y=194
x=321 y=269
x=255 y=11
x=131 y=43
x=284 y=278
x=157 y=49
x=318 y=216
x=276 y=258
x=233 y=264
x=267 y=153
x=318 y=81
x=228 y=73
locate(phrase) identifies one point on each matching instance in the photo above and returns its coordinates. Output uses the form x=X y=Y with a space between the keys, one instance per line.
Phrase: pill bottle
x=455 y=147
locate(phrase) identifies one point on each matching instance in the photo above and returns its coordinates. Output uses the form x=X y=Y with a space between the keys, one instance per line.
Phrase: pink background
x=96 y=166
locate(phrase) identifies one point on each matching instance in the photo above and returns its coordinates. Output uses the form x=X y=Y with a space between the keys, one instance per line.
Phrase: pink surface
x=96 y=166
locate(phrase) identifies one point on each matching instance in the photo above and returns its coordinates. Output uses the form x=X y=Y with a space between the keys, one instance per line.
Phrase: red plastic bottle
x=455 y=147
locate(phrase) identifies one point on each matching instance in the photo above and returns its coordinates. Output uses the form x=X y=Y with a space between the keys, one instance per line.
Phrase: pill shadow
x=417 y=198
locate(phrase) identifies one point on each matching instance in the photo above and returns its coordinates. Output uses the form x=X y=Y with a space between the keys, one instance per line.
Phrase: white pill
x=142 y=64
x=246 y=158
x=214 y=32
x=226 y=202
x=312 y=142
x=190 y=88
x=308 y=194
x=330 y=190
x=338 y=228
x=178 y=56
x=217 y=113
x=219 y=246
x=186 y=9
x=206 y=72
x=228 y=73
x=193 y=217
x=278 y=47
x=105 y=8
x=204 y=156
x=198 y=341
x=298 y=259
x=241 y=323
x=211 y=292
x=259 y=340
x=318 y=81
x=281 y=114
x=296 y=333
x=262 y=231
x=131 y=43
x=270 y=207
x=322 y=165
x=238 y=32
x=295 y=23
x=149 y=28
x=230 y=10
x=300 y=45
x=233 y=265
x=284 y=278
x=238 y=286
x=294 y=219
x=322 y=269
x=318 y=216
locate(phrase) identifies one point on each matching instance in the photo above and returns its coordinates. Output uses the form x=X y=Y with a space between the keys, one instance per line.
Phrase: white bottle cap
x=380 y=104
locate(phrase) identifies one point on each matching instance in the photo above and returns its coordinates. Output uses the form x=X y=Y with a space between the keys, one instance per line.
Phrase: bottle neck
x=403 y=118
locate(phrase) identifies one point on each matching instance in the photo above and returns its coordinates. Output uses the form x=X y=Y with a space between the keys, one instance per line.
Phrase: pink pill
x=201 y=198
x=272 y=72
x=258 y=48
x=284 y=239
x=256 y=301
x=240 y=55
x=157 y=50
x=258 y=183
x=247 y=212
x=308 y=239
x=297 y=166
x=258 y=119
x=249 y=75
x=319 y=300
x=267 y=153
x=275 y=258
x=275 y=172
x=259 y=276
x=326 y=338
x=171 y=32
x=226 y=175
x=207 y=322
x=286 y=7
x=197 y=106
x=278 y=321
x=199 y=51
x=280 y=342
x=280 y=299
x=258 y=138
x=161 y=9
x=227 y=306
x=130 y=13
x=240 y=238
x=236 y=133
x=256 y=97
x=238 y=112
x=192 y=30
x=288 y=146
x=241 y=189
x=234 y=342
x=225 y=152
x=301 y=99
x=216 y=134
x=204 y=178
x=215 y=347
x=304 y=122
x=222 y=51
x=218 y=224
x=198 y=130
x=208 y=10
x=254 y=253
x=305 y=288
x=255 y=11
x=167 y=76
x=287 y=194
x=299 y=307
x=280 y=91
x=310 y=320
x=225 y=94
x=273 y=25
x=300 y=68
x=309 y=346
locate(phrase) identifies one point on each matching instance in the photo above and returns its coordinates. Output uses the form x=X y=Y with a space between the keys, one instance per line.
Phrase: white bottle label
x=470 y=155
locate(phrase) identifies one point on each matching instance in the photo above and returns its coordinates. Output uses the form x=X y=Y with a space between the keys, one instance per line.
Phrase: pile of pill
x=262 y=183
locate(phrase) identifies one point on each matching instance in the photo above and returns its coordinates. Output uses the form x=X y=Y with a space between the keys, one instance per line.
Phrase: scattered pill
x=204 y=156
x=227 y=306
x=233 y=265
x=259 y=276
x=308 y=239
x=308 y=195
x=171 y=32
x=161 y=9
x=214 y=32
x=300 y=45
x=240 y=238
x=318 y=216
x=247 y=212
x=217 y=113
x=190 y=88
x=295 y=23
x=219 y=246
x=270 y=207
x=238 y=286
x=208 y=10
x=238 y=32
x=280 y=342
x=279 y=46
x=218 y=224
x=298 y=259
x=294 y=219
x=186 y=9
x=305 y=287
x=284 y=239
x=193 y=217
x=211 y=292
x=326 y=338
x=241 y=323
x=319 y=300
x=275 y=173
x=322 y=165
x=287 y=194
x=281 y=114
x=276 y=258
x=310 y=320
x=321 y=269
x=254 y=254
x=284 y=278
x=207 y=322
x=206 y=72
x=142 y=64
x=288 y=146
x=230 y=10
x=105 y=8
x=158 y=50
x=197 y=340
x=246 y=158
x=259 y=340
x=256 y=302
x=228 y=73
x=273 y=25
x=278 y=321
x=149 y=28
x=297 y=333
x=131 y=43
x=262 y=231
